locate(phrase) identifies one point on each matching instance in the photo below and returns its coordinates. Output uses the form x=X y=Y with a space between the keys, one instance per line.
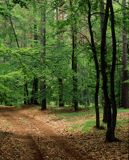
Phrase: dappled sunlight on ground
x=29 y=134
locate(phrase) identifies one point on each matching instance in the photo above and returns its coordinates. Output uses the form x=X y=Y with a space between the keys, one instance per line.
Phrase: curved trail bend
x=23 y=137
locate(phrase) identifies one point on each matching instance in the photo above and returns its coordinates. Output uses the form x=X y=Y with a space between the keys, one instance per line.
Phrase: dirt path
x=20 y=140
x=29 y=134
x=24 y=138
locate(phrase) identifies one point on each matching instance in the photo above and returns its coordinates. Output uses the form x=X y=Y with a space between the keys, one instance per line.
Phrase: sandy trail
x=29 y=134
x=24 y=138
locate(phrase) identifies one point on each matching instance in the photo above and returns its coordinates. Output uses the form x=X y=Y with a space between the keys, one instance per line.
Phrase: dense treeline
x=66 y=53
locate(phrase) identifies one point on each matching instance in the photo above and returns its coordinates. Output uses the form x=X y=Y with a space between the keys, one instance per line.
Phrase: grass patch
x=68 y=114
x=122 y=122
x=120 y=110
x=75 y=128
x=84 y=120
x=88 y=125
x=73 y=114
x=84 y=128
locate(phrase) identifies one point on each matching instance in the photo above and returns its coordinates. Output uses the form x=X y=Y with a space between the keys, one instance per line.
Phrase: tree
x=43 y=54
x=101 y=26
x=124 y=87
x=109 y=101
x=74 y=57
x=94 y=51
x=34 y=98
x=60 y=17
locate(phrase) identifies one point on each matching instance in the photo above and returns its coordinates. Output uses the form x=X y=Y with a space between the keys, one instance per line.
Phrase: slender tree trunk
x=12 y=25
x=60 y=80
x=101 y=24
x=34 y=98
x=125 y=86
x=74 y=68
x=105 y=113
x=109 y=133
x=94 y=51
x=61 y=99
x=109 y=101
x=112 y=76
x=43 y=91
x=26 y=94
x=43 y=54
x=74 y=60
x=101 y=14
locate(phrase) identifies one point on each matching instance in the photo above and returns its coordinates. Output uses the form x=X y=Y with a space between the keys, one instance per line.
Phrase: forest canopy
x=70 y=53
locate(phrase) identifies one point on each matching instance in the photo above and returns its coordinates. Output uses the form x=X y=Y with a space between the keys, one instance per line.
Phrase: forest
x=64 y=79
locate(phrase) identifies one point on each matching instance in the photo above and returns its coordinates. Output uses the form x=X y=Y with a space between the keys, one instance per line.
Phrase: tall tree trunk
x=101 y=14
x=124 y=87
x=109 y=101
x=109 y=133
x=112 y=77
x=26 y=93
x=34 y=98
x=101 y=27
x=74 y=60
x=43 y=54
x=60 y=80
x=74 y=69
x=61 y=98
x=94 y=51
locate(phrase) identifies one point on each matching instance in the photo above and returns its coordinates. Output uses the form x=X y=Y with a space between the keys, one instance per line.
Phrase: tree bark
x=59 y=38
x=109 y=100
x=101 y=27
x=26 y=93
x=43 y=54
x=74 y=60
x=94 y=51
x=61 y=99
x=111 y=128
x=34 y=98
x=109 y=133
x=124 y=86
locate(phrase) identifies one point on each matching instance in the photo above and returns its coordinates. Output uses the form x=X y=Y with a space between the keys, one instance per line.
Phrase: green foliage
x=20 y=65
x=22 y=3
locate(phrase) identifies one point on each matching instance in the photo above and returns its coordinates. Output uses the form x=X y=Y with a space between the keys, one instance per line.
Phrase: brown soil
x=25 y=138
x=29 y=134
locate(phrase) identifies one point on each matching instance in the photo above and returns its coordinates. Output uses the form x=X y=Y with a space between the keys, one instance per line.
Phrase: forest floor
x=29 y=134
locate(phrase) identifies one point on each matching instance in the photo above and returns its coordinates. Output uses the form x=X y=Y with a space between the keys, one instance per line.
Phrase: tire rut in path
x=22 y=139
x=71 y=152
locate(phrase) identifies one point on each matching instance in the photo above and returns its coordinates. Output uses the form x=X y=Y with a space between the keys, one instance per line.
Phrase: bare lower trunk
x=112 y=77
x=61 y=99
x=60 y=17
x=43 y=95
x=101 y=26
x=34 y=98
x=74 y=78
x=110 y=135
x=105 y=113
x=94 y=51
x=74 y=60
x=26 y=94
x=125 y=86
x=43 y=55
